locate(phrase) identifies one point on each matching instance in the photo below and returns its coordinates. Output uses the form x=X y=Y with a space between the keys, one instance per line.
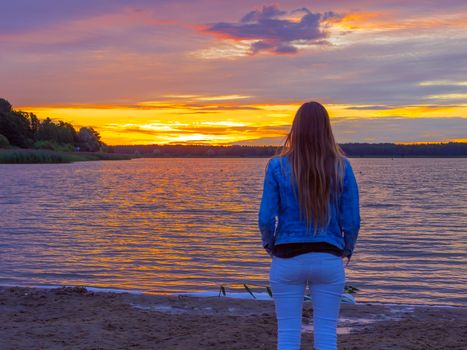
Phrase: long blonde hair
x=317 y=163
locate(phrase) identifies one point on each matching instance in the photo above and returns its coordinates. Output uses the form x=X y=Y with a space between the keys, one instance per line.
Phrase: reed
x=30 y=156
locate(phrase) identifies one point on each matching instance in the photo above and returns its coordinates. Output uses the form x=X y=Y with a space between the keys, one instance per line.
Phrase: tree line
x=450 y=149
x=26 y=130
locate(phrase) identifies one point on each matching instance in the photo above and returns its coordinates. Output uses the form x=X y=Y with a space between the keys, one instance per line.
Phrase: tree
x=15 y=127
x=4 y=142
x=5 y=106
x=34 y=122
x=89 y=140
x=46 y=130
x=66 y=133
x=60 y=133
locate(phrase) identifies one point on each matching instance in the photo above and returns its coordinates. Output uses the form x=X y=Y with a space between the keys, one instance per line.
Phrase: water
x=190 y=225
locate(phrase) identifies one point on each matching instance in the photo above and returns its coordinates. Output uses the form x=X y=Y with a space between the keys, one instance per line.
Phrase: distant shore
x=353 y=150
x=75 y=318
x=31 y=156
x=25 y=156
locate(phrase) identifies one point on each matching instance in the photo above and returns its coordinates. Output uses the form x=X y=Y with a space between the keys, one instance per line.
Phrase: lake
x=187 y=225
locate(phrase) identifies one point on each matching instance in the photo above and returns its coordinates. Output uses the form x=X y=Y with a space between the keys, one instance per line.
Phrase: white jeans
x=325 y=275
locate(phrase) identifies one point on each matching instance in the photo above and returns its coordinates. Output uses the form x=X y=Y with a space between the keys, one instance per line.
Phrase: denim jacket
x=279 y=216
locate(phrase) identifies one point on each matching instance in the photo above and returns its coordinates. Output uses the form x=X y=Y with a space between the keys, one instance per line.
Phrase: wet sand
x=74 y=318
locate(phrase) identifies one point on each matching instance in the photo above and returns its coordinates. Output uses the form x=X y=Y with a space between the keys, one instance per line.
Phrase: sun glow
x=218 y=119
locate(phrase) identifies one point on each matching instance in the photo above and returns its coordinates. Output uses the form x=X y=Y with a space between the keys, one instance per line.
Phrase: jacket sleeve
x=349 y=210
x=269 y=208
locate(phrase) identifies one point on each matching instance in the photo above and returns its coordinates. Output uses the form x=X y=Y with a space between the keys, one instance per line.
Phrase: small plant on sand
x=348 y=289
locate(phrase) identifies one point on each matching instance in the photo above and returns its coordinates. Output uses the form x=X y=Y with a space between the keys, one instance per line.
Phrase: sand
x=74 y=318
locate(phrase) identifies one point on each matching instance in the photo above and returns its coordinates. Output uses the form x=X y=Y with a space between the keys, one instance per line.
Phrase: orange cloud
x=393 y=21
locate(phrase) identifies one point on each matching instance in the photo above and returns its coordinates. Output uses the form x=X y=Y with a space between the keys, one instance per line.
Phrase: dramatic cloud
x=269 y=29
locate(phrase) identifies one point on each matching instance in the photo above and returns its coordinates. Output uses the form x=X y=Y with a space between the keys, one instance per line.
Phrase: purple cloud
x=274 y=33
x=267 y=12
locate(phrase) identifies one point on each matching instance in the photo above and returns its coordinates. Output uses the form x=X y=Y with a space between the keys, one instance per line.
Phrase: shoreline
x=41 y=156
x=269 y=156
x=238 y=295
x=78 y=318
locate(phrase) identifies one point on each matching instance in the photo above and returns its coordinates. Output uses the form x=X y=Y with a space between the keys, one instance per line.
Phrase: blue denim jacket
x=279 y=216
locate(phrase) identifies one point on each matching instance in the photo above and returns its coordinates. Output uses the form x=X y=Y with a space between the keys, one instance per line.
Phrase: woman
x=309 y=220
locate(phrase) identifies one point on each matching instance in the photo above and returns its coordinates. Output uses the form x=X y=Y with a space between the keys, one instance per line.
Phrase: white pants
x=325 y=275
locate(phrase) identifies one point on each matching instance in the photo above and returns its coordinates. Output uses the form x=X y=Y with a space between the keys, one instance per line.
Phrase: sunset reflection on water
x=172 y=225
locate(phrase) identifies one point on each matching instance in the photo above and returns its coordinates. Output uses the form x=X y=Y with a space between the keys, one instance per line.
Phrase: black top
x=290 y=250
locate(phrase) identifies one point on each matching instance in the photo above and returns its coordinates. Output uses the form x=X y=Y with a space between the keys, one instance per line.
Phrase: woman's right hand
x=347 y=254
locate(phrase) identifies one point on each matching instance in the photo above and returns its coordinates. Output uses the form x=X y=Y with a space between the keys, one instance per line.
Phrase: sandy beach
x=75 y=318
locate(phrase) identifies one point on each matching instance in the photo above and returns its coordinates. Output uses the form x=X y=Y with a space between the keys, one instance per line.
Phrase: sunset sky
x=235 y=72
